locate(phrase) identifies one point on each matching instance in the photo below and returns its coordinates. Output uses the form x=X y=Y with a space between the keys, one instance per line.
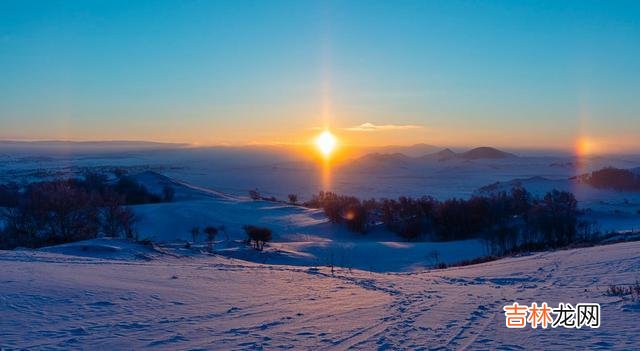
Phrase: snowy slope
x=301 y=236
x=61 y=302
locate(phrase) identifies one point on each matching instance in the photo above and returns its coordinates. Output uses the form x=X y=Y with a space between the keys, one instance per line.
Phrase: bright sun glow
x=326 y=142
x=584 y=146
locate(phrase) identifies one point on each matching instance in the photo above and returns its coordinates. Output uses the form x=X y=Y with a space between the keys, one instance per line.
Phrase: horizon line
x=192 y=145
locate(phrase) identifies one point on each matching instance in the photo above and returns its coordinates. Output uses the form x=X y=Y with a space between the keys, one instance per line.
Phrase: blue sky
x=509 y=73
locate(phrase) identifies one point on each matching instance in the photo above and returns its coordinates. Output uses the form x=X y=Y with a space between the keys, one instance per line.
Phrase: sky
x=516 y=74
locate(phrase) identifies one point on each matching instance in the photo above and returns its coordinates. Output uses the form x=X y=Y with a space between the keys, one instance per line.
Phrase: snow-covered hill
x=276 y=172
x=301 y=236
x=56 y=301
x=381 y=294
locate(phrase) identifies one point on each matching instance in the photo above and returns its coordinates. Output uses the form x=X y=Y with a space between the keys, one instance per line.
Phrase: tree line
x=613 y=178
x=508 y=221
x=65 y=210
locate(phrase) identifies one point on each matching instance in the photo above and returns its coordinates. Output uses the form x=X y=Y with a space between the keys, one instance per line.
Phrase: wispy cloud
x=370 y=127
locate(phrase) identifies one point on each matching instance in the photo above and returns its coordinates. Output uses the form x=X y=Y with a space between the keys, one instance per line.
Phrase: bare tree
x=211 y=233
x=128 y=220
x=111 y=213
x=258 y=235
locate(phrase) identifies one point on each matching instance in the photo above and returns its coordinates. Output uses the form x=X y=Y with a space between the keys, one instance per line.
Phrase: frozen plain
x=382 y=294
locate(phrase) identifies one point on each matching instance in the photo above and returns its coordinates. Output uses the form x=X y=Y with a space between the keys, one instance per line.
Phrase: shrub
x=613 y=178
x=293 y=198
x=135 y=193
x=117 y=220
x=254 y=194
x=94 y=182
x=355 y=216
x=211 y=233
x=408 y=217
x=334 y=206
x=631 y=290
x=128 y=219
x=259 y=236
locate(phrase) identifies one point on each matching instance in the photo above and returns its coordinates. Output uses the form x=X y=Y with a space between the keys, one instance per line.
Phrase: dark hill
x=485 y=152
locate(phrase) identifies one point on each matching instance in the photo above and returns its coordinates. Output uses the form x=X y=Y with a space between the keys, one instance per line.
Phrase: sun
x=326 y=143
x=584 y=146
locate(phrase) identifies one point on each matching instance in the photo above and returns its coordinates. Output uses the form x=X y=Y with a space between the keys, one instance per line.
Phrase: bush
x=613 y=178
x=631 y=290
x=259 y=236
x=117 y=221
x=293 y=198
x=94 y=182
x=135 y=193
x=334 y=206
x=355 y=216
x=211 y=233
x=127 y=189
x=254 y=194
x=554 y=218
x=408 y=217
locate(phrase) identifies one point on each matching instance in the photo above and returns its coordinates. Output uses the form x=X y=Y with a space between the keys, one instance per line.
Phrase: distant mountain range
x=416 y=150
x=379 y=161
x=485 y=152
x=389 y=156
x=442 y=155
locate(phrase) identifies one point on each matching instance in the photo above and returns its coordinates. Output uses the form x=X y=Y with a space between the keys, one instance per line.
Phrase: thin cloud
x=370 y=127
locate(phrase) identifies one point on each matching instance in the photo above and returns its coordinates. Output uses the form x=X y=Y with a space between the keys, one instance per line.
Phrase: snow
x=105 y=248
x=302 y=236
x=279 y=172
x=62 y=301
x=316 y=285
x=376 y=256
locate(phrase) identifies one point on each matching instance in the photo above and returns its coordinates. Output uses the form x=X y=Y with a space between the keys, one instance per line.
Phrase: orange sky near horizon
x=364 y=135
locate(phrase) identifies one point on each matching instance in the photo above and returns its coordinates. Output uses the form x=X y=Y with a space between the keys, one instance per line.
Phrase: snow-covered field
x=302 y=236
x=281 y=172
x=159 y=301
x=381 y=294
